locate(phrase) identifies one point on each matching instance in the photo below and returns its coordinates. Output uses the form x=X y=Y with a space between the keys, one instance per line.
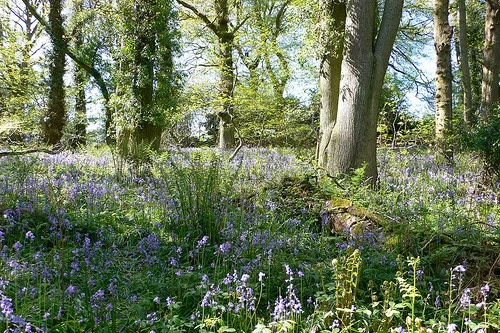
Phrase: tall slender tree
x=223 y=24
x=464 y=62
x=80 y=81
x=55 y=118
x=443 y=99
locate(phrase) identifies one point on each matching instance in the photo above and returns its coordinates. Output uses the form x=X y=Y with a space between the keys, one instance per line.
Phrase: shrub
x=485 y=140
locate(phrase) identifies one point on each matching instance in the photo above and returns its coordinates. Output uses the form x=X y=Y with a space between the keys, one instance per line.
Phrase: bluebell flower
x=30 y=235
x=485 y=290
x=451 y=328
x=6 y=306
x=202 y=242
x=17 y=246
x=71 y=289
x=465 y=299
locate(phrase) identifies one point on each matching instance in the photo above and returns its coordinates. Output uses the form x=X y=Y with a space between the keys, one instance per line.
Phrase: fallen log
x=29 y=151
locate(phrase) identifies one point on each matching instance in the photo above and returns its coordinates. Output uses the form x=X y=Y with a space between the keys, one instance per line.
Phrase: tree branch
x=86 y=67
x=212 y=26
x=236 y=28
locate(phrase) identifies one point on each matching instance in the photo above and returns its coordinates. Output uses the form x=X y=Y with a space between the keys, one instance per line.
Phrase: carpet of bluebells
x=189 y=242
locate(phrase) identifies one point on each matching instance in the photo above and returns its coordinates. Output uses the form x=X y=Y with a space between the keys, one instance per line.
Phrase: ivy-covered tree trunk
x=146 y=80
x=55 y=117
x=226 y=41
x=353 y=139
x=491 y=59
x=333 y=16
x=80 y=79
x=147 y=131
x=443 y=98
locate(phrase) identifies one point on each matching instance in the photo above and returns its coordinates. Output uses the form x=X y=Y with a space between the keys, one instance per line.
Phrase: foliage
x=22 y=89
x=485 y=140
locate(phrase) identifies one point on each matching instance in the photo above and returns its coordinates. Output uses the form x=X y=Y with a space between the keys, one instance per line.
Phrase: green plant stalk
x=450 y=296
x=413 y=295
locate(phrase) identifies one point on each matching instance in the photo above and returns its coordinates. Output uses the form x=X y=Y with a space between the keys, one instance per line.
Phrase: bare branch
x=212 y=26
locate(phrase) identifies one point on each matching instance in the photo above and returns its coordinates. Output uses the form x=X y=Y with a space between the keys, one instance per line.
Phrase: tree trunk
x=353 y=141
x=80 y=109
x=225 y=114
x=55 y=118
x=3 y=107
x=80 y=79
x=226 y=40
x=443 y=99
x=147 y=132
x=464 y=63
x=491 y=59
x=333 y=16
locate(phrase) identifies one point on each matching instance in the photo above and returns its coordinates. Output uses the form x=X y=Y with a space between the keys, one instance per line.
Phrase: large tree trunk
x=491 y=59
x=443 y=99
x=146 y=132
x=464 y=62
x=333 y=16
x=353 y=141
x=55 y=118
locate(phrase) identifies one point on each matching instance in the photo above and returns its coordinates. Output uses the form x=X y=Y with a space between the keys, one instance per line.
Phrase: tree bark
x=147 y=132
x=333 y=16
x=353 y=140
x=464 y=63
x=226 y=89
x=491 y=59
x=443 y=98
x=80 y=79
x=80 y=108
x=55 y=118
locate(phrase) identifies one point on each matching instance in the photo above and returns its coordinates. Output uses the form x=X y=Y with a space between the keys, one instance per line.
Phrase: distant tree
x=222 y=18
x=80 y=79
x=266 y=45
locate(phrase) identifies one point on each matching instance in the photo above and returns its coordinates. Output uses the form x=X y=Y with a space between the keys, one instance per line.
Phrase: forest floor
x=186 y=241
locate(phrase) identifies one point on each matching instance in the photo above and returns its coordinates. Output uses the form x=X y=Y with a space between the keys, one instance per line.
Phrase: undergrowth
x=198 y=244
